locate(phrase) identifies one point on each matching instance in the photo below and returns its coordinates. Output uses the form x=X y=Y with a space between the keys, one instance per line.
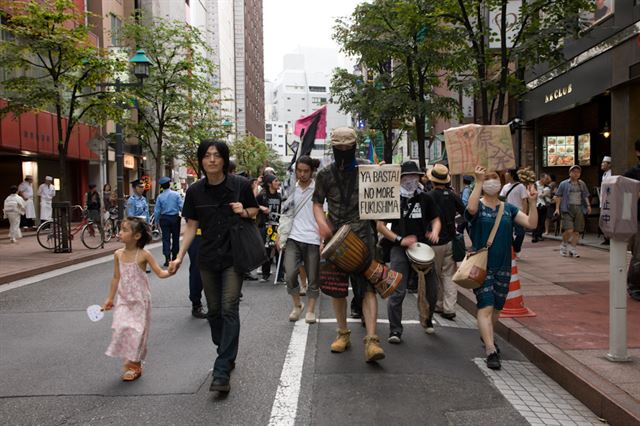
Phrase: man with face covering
x=338 y=185
x=418 y=212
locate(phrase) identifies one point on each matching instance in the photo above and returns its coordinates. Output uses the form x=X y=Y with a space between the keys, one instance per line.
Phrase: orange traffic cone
x=514 y=307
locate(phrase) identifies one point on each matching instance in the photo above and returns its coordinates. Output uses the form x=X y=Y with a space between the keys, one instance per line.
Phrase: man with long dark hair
x=210 y=205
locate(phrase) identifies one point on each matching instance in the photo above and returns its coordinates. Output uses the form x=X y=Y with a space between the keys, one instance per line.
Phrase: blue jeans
x=222 y=290
x=170 y=226
x=195 y=282
x=400 y=263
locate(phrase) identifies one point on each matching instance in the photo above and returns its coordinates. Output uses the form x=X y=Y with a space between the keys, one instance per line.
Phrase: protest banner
x=474 y=145
x=379 y=191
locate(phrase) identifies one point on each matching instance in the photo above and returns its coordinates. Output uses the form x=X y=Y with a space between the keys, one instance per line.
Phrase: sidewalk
x=27 y=258
x=569 y=337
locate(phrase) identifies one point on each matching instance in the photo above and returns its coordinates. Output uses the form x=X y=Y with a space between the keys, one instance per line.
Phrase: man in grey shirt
x=572 y=202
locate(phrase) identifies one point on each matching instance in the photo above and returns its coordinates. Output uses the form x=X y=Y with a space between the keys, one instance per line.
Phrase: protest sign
x=379 y=192
x=475 y=145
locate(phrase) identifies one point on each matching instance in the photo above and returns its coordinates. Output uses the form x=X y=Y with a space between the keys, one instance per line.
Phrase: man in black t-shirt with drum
x=418 y=211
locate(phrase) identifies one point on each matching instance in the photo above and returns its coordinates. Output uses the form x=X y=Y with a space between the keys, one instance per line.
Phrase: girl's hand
x=237 y=207
x=264 y=209
x=532 y=192
x=108 y=305
x=480 y=172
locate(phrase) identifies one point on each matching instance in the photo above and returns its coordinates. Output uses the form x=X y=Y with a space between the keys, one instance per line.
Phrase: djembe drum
x=421 y=257
x=349 y=253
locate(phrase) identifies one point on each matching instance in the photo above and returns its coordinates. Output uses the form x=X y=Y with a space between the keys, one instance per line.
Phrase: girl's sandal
x=132 y=373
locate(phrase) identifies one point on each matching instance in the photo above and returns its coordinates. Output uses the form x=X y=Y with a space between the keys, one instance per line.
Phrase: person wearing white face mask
x=482 y=210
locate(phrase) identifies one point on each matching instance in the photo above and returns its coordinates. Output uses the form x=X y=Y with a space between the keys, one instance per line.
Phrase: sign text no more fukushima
x=379 y=191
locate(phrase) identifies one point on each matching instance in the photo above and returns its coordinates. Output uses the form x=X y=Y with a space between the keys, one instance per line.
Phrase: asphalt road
x=53 y=369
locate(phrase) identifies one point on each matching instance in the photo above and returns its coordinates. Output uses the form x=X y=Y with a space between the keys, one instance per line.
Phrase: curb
x=599 y=395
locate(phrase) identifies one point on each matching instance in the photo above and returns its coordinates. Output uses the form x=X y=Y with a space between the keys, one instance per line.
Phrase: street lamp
x=141 y=65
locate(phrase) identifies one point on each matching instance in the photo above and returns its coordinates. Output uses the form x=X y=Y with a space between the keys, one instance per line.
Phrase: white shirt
x=606 y=174
x=516 y=196
x=46 y=192
x=305 y=228
x=26 y=190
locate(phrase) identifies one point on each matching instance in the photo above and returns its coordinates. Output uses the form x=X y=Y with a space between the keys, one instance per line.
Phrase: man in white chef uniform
x=46 y=192
x=25 y=190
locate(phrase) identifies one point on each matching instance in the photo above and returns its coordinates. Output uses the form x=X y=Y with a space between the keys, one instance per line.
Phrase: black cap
x=410 y=168
x=136 y=182
x=467 y=179
x=92 y=185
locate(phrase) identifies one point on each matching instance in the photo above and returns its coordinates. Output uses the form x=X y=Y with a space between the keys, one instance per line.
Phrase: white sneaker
x=295 y=312
x=573 y=252
x=310 y=317
x=564 y=251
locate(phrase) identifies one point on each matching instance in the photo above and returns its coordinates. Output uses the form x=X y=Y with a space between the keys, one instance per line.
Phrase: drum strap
x=403 y=218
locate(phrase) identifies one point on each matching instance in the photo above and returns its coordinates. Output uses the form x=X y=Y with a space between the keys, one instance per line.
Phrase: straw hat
x=439 y=174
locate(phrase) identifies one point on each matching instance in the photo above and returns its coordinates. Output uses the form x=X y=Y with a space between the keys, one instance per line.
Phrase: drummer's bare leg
x=370 y=311
x=340 y=309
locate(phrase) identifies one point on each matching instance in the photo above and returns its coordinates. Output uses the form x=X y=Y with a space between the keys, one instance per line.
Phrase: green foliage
x=176 y=101
x=403 y=46
x=253 y=154
x=491 y=59
x=52 y=65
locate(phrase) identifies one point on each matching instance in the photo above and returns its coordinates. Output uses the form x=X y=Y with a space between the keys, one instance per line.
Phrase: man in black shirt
x=210 y=205
x=269 y=203
x=418 y=212
x=633 y=275
x=449 y=203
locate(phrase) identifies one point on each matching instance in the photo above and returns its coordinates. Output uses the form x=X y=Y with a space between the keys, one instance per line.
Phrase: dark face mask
x=344 y=158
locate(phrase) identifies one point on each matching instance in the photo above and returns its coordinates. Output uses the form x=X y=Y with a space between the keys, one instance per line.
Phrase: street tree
x=407 y=40
x=252 y=154
x=498 y=39
x=377 y=102
x=178 y=87
x=52 y=64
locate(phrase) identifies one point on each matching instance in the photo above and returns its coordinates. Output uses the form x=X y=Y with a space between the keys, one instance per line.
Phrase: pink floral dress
x=131 y=314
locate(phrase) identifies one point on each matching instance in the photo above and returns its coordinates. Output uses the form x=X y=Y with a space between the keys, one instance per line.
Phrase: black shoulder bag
x=247 y=246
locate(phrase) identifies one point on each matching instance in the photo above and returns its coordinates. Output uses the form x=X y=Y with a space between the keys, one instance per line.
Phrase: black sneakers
x=198 y=312
x=220 y=385
x=493 y=361
x=448 y=315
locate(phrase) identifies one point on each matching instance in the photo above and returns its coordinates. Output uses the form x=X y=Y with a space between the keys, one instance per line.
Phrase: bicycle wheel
x=108 y=230
x=90 y=236
x=45 y=235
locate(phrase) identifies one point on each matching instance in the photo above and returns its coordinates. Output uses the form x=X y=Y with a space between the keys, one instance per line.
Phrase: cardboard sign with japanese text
x=475 y=145
x=379 y=191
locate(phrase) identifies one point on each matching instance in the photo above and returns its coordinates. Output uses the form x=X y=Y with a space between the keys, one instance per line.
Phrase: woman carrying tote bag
x=481 y=213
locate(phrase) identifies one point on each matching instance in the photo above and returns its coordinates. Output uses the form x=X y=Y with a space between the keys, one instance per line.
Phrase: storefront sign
x=475 y=145
x=379 y=191
x=559 y=151
x=584 y=149
x=558 y=93
x=129 y=161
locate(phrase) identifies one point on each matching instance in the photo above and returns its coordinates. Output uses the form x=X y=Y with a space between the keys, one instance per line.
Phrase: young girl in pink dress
x=132 y=310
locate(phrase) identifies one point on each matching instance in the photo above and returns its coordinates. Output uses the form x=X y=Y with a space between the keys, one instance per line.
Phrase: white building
x=220 y=33
x=275 y=135
x=299 y=90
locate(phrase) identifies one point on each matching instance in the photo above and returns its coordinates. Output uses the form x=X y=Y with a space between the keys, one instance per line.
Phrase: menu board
x=584 y=149
x=559 y=151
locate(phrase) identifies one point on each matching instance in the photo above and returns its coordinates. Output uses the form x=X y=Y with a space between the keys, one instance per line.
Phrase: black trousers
x=542 y=216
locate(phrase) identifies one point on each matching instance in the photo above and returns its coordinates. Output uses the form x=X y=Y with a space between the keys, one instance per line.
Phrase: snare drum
x=347 y=251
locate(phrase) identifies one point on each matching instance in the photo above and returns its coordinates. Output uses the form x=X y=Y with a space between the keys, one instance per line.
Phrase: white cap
x=606 y=158
x=48 y=178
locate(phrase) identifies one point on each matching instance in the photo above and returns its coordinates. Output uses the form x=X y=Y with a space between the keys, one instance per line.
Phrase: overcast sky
x=292 y=23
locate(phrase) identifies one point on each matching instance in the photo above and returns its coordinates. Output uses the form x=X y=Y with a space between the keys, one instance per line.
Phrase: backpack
x=11 y=205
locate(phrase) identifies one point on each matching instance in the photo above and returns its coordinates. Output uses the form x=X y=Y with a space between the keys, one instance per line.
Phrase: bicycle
x=111 y=225
x=89 y=233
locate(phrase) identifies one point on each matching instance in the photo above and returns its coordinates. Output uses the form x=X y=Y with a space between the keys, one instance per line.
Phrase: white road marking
x=67 y=269
x=378 y=321
x=285 y=405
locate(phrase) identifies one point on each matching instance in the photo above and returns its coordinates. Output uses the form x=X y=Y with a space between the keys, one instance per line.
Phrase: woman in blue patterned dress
x=481 y=213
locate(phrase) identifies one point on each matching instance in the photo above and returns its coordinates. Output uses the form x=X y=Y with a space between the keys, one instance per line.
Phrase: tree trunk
x=159 y=163
x=62 y=157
